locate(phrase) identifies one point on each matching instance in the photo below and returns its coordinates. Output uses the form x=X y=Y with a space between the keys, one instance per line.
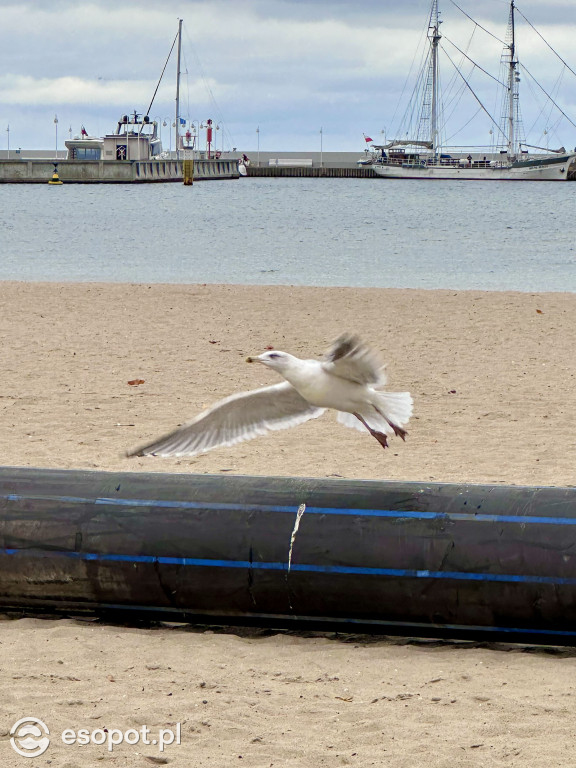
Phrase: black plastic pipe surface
x=389 y=557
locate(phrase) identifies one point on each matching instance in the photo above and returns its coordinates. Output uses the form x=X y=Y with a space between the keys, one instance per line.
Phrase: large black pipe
x=392 y=557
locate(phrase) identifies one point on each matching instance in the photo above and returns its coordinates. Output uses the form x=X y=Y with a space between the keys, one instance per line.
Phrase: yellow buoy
x=55 y=178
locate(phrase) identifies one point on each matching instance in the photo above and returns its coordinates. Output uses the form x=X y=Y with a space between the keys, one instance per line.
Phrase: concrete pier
x=39 y=171
x=361 y=172
x=328 y=165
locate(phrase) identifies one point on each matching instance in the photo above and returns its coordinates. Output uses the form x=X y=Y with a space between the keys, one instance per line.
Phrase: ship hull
x=556 y=169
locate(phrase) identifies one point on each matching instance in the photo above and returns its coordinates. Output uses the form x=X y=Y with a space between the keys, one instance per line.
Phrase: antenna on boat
x=177 y=121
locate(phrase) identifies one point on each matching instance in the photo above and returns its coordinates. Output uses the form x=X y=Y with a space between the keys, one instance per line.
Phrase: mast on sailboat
x=512 y=85
x=177 y=121
x=434 y=36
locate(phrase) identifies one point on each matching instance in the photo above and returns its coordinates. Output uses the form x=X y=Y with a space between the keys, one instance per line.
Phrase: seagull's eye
x=273 y=356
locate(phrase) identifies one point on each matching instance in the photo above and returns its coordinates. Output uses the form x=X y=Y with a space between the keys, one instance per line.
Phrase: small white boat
x=425 y=157
x=366 y=159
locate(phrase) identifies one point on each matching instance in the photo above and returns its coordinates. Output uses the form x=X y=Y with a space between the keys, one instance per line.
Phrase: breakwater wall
x=23 y=171
x=300 y=172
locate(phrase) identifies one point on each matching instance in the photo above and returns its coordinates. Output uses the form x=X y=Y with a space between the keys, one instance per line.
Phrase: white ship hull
x=553 y=169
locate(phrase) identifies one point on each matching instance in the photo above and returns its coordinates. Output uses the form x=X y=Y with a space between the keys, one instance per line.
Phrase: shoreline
x=287 y=286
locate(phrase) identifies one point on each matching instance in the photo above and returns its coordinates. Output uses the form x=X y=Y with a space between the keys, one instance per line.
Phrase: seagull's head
x=279 y=361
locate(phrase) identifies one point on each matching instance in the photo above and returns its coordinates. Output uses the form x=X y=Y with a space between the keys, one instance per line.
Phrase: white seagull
x=349 y=380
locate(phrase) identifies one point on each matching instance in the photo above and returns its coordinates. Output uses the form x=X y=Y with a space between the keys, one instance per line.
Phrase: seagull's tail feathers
x=388 y=413
x=396 y=407
x=350 y=421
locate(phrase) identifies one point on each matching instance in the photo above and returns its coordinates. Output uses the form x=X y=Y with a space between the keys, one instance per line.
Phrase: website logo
x=29 y=737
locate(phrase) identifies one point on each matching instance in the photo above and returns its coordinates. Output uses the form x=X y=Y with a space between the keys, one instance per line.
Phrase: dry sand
x=493 y=378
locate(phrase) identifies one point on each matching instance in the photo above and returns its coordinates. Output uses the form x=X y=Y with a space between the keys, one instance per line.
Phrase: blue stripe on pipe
x=301 y=567
x=458 y=627
x=216 y=506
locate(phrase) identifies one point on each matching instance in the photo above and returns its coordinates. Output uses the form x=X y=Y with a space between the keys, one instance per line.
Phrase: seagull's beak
x=258 y=359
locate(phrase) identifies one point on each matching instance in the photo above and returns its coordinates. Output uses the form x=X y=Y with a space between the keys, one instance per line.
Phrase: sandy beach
x=493 y=378
x=492 y=375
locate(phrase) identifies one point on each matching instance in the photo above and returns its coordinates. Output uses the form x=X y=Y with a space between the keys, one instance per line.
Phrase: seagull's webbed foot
x=398 y=431
x=380 y=436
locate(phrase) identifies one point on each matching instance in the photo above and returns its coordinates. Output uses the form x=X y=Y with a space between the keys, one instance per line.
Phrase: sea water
x=325 y=232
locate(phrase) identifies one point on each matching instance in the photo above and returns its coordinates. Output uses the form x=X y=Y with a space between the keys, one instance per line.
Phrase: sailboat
x=424 y=156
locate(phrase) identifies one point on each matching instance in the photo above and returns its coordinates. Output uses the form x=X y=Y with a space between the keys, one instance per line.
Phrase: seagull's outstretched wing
x=234 y=419
x=350 y=359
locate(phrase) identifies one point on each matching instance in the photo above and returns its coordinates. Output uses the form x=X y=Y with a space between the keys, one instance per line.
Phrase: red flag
x=367 y=139
x=84 y=131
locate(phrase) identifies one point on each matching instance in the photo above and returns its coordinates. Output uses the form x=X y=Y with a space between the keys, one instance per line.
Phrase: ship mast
x=512 y=84
x=177 y=121
x=434 y=37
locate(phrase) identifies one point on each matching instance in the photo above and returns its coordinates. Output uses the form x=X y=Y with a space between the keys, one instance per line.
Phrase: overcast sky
x=287 y=67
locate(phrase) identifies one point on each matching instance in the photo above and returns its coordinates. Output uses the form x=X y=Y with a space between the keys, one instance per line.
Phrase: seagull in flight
x=350 y=380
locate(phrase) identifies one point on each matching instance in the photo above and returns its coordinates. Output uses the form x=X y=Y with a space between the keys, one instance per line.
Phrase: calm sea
x=354 y=232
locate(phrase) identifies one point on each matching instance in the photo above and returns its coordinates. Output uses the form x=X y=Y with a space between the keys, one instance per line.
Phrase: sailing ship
x=425 y=157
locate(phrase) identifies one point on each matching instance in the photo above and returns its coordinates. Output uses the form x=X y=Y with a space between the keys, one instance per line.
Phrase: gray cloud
x=288 y=66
